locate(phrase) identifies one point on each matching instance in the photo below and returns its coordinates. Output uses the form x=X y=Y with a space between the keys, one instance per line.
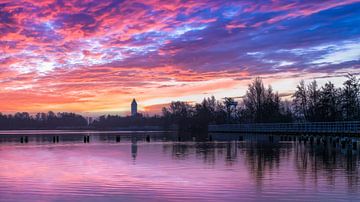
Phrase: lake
x=160 y=166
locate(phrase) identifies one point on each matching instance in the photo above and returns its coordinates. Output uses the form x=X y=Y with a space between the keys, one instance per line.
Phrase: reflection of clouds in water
x=173 y=170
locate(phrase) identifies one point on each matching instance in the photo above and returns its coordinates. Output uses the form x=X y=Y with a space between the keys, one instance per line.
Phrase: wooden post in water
x=343 y=144
x=354 y=145
x=311 y=140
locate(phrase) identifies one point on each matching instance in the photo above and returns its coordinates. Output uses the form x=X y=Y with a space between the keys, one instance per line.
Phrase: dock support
x=354 y=145
x=86 y=139
x=311 y=140
x=343 y=144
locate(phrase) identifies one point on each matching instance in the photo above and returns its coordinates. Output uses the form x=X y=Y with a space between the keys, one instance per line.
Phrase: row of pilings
x=86 y=139
x=25 y=139
x=344 y=142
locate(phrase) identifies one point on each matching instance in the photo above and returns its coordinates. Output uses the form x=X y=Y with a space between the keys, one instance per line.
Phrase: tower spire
x=133 y=108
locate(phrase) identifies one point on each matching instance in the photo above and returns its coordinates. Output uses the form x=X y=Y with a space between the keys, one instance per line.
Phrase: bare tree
x=350 y=98
x=329 y=107
x=300 y=101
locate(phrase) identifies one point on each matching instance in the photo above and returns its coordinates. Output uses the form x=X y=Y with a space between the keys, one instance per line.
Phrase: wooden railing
x=318 y=127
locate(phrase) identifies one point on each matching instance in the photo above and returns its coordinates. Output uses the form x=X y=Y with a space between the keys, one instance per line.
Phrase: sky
x=94 y=57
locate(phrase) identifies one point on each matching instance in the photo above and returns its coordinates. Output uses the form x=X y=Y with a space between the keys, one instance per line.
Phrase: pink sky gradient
x=96 y=56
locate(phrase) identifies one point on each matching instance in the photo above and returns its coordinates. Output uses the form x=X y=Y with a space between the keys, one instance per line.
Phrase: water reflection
x=134 y=147
x=158 y=167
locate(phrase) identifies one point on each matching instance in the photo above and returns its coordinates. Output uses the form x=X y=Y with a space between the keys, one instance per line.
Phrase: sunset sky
x=92 y=56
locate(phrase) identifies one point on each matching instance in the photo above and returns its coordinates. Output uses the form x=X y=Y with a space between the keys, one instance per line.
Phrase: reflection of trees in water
x=206 y=151
x=262 y=158
x=178 y=150
x=231 y=152
x=209 y=152
x=316 y=161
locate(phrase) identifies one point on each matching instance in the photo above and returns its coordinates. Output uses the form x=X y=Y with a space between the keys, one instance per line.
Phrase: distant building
x=133 y=108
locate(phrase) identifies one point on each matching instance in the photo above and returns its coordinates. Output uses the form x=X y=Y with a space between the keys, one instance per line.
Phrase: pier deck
x=337 y=128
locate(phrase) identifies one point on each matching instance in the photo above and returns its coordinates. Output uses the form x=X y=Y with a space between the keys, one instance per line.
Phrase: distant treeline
x=50 y=120
x=260 y=104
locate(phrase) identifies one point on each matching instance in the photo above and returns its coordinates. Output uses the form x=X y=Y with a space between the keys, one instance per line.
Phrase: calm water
x=164 y=169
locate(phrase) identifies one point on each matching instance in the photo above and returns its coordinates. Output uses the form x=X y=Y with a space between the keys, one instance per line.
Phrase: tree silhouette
x=350 y=98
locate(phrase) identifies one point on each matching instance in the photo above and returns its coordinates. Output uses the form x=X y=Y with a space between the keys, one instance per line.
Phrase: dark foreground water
x=158 y=167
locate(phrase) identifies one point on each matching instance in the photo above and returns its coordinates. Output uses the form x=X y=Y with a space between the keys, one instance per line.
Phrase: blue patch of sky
x=229 y=12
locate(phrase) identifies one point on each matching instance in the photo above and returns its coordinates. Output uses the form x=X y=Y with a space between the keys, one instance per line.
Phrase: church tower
x=133 y=108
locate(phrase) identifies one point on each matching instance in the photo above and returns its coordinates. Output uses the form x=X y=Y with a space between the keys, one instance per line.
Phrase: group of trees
x=328 y=103
x=115 y=121
x=48 y=120
x=260 y=104
x=189 y=117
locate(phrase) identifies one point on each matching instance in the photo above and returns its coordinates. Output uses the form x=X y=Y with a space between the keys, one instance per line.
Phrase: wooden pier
x=335 y=128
